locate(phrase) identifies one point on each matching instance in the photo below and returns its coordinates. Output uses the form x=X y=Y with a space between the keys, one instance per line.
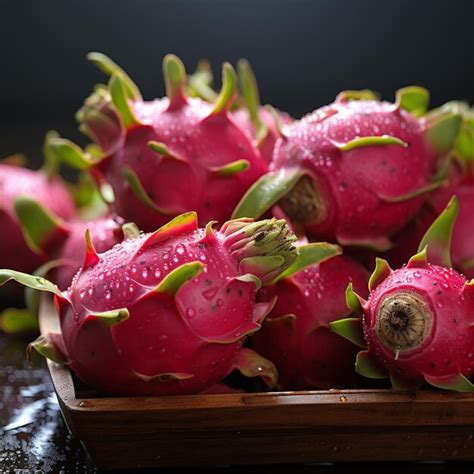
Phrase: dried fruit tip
x=264 y=248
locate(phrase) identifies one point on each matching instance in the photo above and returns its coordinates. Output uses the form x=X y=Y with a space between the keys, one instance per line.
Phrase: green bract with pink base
x=167 y=156
x=418 y=324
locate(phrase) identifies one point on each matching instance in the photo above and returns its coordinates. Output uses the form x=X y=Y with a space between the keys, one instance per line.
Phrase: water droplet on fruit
x=131 y=289
x=90 y=290
x=210 y=293
x=145 y=273
x=134 y=269
x=101 y=276
x=108 y=294
x=82 y=293
x=157 y=273
x=417 y=275
x=190 y=313
x=180 y=249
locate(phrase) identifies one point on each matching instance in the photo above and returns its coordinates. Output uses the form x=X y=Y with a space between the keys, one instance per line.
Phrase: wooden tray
x=264 y=428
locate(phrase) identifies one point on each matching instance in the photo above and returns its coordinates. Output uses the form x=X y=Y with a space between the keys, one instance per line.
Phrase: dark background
x=303 y=51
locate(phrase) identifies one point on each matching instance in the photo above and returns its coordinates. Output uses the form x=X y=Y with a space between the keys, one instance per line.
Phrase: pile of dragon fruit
x=209 y=235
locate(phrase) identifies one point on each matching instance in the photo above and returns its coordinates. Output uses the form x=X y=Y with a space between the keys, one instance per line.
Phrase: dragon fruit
x=418 y=321
x=63 y=242
x=41 y=185
x=462 y=246
x=168 y=312
x=152 y=149
x=296 y=337
x=459 y=182
x=355 y=171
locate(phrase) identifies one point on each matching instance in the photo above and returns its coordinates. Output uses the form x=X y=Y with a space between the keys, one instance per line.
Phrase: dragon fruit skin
x=152 y=150
x=418 y=321
x=445 y=341
x=462 y=246
x=51 y=192
x=305 y=352
x=267 y=144
x=60 y=242
x=354 y=172
x=167 y=313
x=105 y=231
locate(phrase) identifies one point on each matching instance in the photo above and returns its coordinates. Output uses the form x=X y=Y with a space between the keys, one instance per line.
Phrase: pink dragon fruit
x=168 y=312
x=355 y=171
x=462 y=246
x=460 y=182
x=63 y=242
x=296 y=336
x=153 y=149
x=418 y=320
x=41 y=185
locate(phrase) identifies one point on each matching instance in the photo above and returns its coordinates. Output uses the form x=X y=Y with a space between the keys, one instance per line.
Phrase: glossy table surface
x=34 y=437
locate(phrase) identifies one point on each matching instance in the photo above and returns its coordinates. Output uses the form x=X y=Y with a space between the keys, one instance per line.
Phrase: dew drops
x=82 y=293
x=157 y=273
x=145 y=273
x=190 y=313
x=108 y=295
x=439 y=304
x=210 y=293
x=131 y=289
x=134 y=269
x=90 y=291
x=180 y=249
x=417 y=275
x=101 y=276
